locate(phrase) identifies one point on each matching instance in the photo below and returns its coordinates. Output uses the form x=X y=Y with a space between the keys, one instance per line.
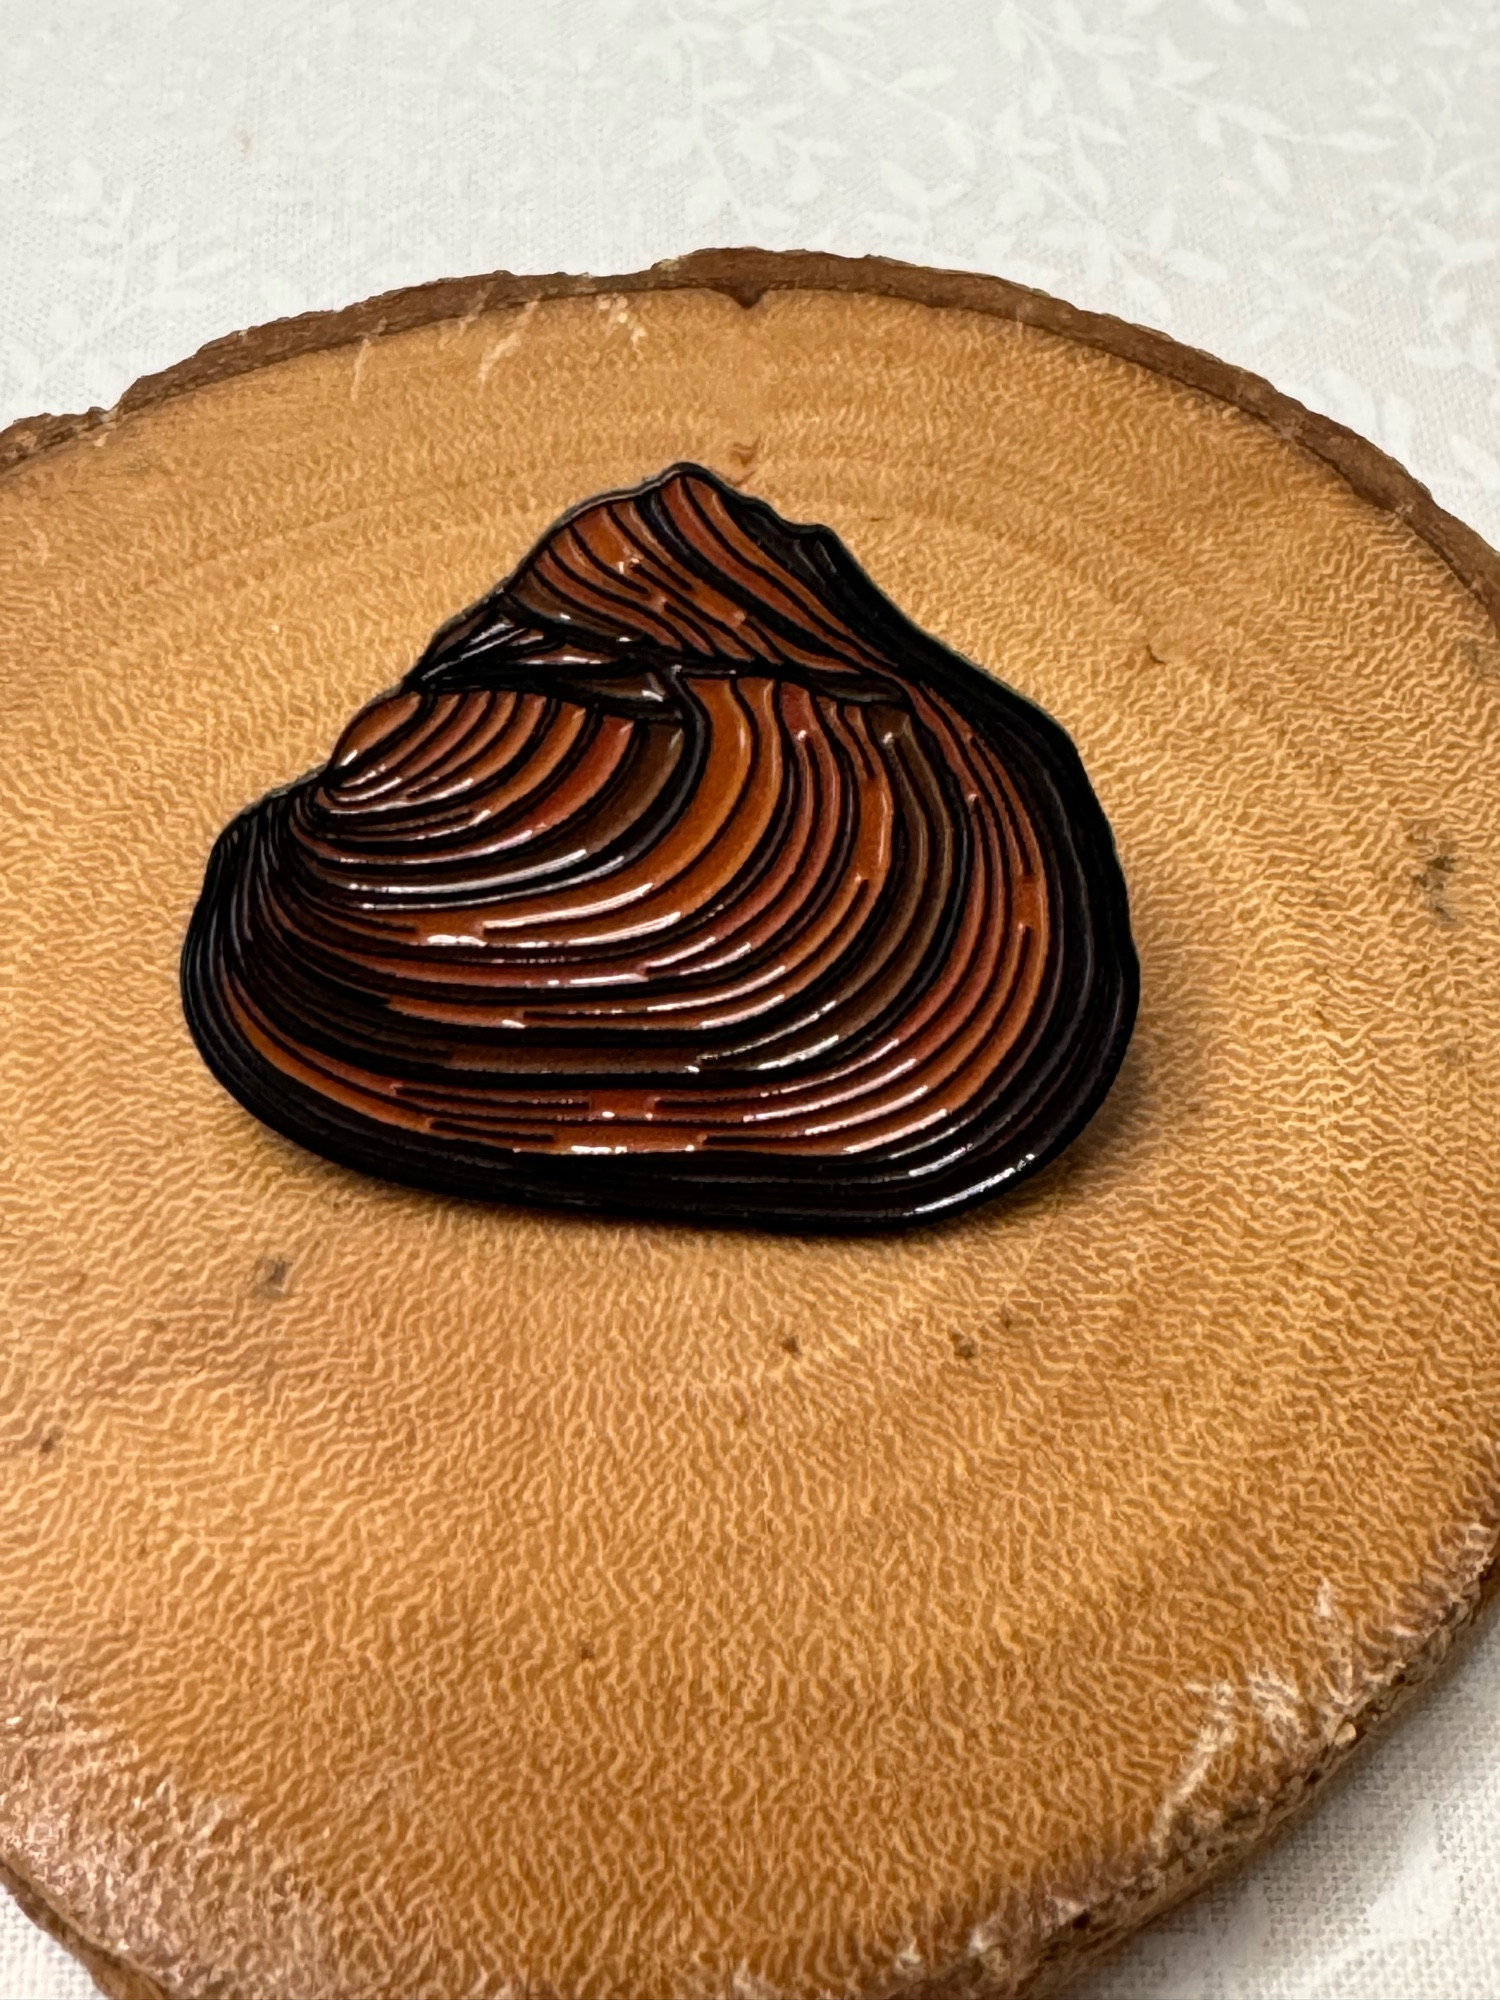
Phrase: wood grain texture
x=406 y=1597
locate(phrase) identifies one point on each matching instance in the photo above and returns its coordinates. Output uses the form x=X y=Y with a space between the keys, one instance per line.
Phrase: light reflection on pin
x=686 y=835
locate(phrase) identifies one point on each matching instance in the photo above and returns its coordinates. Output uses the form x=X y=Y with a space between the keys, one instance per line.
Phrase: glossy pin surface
x=681 y=876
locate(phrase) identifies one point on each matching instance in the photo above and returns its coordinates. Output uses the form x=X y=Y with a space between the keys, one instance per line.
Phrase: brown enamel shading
x=683 y=843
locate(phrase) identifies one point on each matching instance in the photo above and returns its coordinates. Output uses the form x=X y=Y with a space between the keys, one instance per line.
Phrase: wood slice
x=413 y=1597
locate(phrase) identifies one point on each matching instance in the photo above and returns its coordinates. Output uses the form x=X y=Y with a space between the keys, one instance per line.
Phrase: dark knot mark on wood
x=1434 y=879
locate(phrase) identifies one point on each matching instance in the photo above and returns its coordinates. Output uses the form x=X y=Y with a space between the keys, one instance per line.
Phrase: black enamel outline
x=767 y=1192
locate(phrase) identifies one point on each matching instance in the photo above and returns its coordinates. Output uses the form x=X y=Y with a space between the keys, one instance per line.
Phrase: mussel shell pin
x=683 y=875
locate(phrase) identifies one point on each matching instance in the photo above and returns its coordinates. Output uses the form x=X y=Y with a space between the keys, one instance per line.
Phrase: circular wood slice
x=410 y=1597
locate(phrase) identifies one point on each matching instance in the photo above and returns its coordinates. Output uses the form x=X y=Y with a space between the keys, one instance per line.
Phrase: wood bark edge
x=746 y=276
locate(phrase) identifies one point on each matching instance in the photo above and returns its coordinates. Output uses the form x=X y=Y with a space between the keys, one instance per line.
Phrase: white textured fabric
x=1308 y=187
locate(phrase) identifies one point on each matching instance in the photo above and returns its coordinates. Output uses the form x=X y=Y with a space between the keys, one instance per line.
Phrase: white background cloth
x=1310 y=188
